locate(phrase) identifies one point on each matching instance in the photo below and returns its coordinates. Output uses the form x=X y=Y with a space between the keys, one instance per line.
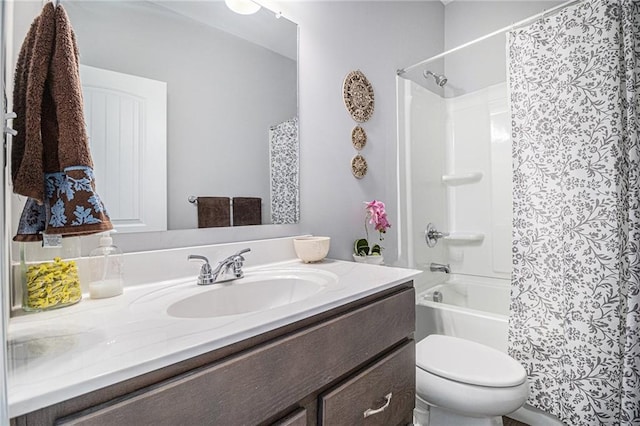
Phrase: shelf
x=462 y=178
x=464 y=237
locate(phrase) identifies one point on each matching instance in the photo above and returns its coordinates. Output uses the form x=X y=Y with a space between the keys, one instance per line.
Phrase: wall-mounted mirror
x=231 y=100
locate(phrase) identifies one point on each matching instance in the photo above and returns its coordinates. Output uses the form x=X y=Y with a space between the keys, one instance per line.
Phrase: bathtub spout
x=439 y=267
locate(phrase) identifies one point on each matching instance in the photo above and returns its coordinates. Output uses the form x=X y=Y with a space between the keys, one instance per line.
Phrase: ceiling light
x=243 y=7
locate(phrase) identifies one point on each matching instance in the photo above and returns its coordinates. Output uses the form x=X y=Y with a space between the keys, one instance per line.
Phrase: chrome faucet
x=439 y=267
x=227 y=269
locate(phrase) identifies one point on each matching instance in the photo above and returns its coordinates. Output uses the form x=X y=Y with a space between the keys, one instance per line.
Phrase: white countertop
x=61 y=354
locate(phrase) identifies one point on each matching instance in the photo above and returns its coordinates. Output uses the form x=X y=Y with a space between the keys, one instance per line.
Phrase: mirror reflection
x=219 y=87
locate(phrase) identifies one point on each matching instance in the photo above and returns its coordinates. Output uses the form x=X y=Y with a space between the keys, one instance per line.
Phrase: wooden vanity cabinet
x=325 y=370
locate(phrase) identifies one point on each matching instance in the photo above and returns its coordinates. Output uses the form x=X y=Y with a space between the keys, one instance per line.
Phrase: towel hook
x=193 y=199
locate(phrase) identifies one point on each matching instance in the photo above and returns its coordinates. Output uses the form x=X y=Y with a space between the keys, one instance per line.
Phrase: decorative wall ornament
x=359 y=166
x=358 y=96
x=358 y=138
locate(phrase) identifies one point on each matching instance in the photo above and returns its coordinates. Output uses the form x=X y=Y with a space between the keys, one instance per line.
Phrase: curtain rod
x=518 y=24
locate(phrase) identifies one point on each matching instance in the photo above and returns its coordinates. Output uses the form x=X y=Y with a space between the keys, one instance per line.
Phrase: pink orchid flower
x=378 y=216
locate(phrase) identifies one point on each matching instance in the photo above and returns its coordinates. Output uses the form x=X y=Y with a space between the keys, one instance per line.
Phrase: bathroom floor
x=506 y=421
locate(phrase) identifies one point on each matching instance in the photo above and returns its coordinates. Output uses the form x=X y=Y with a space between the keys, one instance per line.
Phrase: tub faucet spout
x=439 y=267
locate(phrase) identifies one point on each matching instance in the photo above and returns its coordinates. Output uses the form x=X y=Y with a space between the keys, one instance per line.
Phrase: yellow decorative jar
x=50 y=278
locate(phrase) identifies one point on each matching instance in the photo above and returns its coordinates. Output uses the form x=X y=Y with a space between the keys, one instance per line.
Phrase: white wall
x=483 y=64
x=337 y=37
x=466 y=20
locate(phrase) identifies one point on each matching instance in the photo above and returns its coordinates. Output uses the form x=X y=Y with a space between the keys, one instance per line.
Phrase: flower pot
x=375 y=259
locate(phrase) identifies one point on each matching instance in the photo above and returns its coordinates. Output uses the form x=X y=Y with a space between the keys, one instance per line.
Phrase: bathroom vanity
x=343 y=356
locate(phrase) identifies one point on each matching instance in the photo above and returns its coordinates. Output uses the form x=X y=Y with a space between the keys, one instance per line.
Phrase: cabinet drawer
x=383 y=394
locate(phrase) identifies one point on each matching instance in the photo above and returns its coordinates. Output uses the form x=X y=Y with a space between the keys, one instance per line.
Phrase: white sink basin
x=257 y=291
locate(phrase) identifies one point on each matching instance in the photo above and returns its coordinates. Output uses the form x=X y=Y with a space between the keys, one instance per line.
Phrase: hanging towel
x=52 y=162
x=247 y=211
x=214 y=212
x=31 y=73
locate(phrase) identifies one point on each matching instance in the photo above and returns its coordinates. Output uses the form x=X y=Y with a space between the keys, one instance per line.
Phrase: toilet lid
x=468 y=362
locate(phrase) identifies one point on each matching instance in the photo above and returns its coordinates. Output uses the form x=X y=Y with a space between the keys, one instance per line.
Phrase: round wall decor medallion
x=359 y=166
x=358 y=138
x=357 y=94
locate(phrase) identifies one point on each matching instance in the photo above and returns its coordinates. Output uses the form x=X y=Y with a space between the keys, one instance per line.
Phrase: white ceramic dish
x=311 y=249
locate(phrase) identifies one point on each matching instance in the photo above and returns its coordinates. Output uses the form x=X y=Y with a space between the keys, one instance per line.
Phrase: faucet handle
x=206 y=276
x=432 y=235
x=192 y=257
x=238 y=260
x=241 y=252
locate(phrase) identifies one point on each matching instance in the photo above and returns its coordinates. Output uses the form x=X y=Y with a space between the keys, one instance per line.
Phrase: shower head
x=440 y=79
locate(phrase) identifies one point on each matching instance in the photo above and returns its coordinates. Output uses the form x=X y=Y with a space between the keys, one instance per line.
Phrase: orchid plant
x=376 y=216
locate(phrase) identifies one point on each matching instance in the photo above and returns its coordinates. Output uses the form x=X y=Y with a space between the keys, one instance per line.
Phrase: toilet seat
x=469 y=400
x=468 y=362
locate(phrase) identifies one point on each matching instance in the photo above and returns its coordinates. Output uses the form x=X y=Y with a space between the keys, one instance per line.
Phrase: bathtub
x=473 y=308
x=477 y=309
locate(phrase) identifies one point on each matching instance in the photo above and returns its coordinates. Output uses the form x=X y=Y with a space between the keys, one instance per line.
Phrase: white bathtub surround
x=61 y=354
x=575 y=322
x=458 y=177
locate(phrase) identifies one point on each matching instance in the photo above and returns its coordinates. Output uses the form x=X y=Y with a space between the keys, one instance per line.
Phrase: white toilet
x=460 y=383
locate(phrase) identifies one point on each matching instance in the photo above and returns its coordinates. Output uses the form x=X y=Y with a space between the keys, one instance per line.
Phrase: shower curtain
x=575 y=302
x=284 y=172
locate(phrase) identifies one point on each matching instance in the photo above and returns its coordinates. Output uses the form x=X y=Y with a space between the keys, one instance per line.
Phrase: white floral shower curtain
x=284 y=172
x=575 y=308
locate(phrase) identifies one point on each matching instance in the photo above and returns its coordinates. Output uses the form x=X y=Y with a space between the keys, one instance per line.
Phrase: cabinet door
x=383 y=394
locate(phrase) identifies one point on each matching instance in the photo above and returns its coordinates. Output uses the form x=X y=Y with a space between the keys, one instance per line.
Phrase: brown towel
x=20 y=98
x=51 y=160
x=247 y=211
x=214 y=212
x=32 y=68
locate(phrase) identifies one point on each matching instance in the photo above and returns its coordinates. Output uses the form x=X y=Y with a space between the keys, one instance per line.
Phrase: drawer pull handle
x=371 y=411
